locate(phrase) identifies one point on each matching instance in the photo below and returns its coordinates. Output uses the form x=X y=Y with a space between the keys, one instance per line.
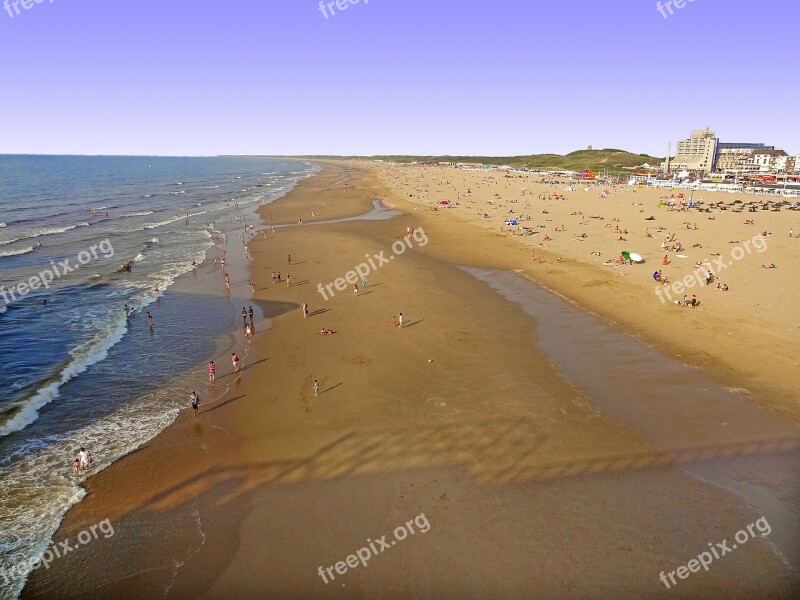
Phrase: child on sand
x=235 y=361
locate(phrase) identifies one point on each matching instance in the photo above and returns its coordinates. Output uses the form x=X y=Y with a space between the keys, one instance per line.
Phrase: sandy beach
x=749 y=331
x=495 y=427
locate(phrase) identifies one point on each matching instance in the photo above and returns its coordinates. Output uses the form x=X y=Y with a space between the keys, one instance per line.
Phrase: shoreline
x=201 y=283
x=448 y=419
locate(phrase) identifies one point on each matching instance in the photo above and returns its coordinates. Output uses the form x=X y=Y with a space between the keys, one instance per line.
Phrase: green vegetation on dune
x=609 y=159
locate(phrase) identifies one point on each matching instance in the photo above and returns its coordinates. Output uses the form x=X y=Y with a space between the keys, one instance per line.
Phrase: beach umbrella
x=626 y=255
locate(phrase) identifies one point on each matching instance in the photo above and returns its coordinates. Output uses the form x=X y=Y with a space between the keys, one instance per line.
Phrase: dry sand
x=528 y=489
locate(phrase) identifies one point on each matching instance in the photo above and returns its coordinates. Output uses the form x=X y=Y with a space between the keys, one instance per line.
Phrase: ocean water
x=75 y=371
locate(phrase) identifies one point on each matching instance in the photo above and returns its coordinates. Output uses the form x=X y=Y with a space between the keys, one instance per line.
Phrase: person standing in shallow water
x=250 y=312
x=195 y=403
x=244 y=317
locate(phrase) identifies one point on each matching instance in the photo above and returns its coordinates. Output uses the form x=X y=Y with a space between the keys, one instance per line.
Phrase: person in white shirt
x=85 y=459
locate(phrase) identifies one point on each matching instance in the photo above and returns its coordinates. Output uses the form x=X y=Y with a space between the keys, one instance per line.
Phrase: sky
x=458 y=77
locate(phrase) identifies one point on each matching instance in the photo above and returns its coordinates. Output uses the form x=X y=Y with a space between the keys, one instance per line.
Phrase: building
x=770 y=161
x=731 y=155
x=697 y=153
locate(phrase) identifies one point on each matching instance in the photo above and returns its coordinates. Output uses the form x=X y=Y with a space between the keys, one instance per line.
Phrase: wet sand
x=541 y=473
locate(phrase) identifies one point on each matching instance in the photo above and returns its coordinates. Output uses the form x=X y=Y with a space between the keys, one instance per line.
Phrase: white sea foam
x=143 y=213
x=16 y=252
x=161 y=223
x=95 y=349
x=53 y=230
x=83 y=356
x=38 y=487
x=139 y=257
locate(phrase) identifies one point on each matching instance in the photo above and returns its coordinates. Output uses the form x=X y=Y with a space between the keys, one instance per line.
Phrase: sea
x=75 y=371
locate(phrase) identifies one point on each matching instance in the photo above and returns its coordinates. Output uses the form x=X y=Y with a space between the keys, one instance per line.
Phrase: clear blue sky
x=492 y=77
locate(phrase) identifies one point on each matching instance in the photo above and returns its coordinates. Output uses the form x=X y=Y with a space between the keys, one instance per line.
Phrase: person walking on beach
x=244 y=317
x=273 y=277
x=195 y=403
x=364 y=282
x=305 y=310
x=355 y=290
x=288 y=280
x=235 y=361
x=394 y=322
x=400 y=321
x=290 y=259
x=250 y=312
x=212 y=372
x=316 y=388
